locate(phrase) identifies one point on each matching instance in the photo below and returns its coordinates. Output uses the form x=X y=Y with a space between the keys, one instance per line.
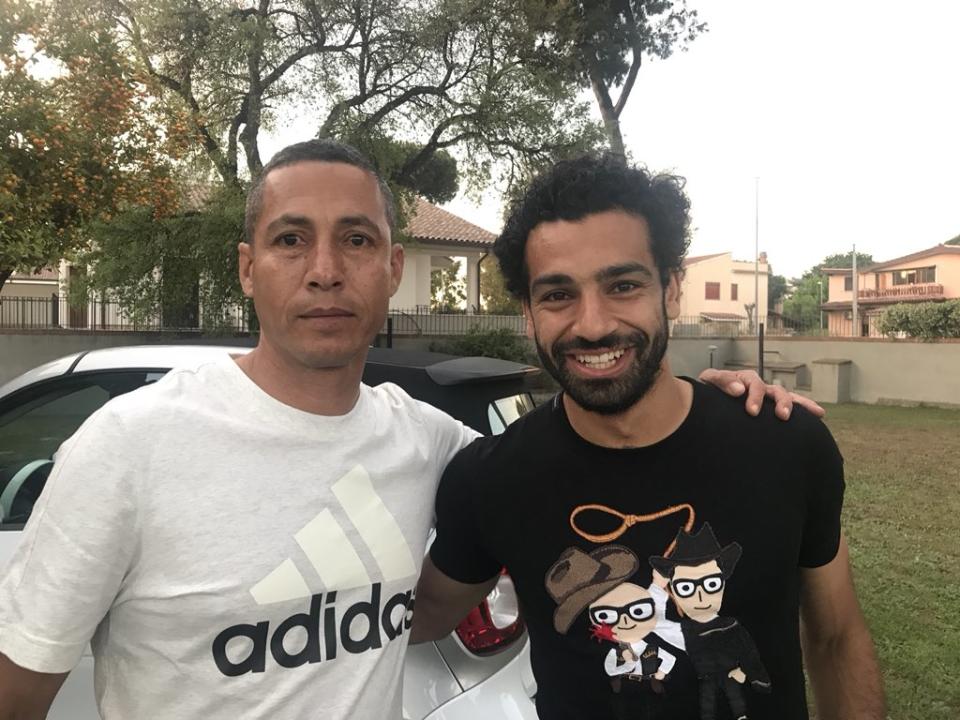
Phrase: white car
x=481 y=671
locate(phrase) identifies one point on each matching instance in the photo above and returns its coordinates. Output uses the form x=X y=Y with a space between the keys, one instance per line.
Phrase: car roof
x=442 y=369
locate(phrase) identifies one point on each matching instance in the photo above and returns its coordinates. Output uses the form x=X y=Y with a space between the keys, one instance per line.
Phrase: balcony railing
x=926 y=290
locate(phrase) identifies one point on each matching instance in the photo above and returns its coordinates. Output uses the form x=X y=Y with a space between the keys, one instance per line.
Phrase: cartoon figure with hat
x=632 y=617
x=720 y=648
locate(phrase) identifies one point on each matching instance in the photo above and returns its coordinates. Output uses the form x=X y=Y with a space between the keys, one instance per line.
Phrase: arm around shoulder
x=837 y=648
x=25 y=694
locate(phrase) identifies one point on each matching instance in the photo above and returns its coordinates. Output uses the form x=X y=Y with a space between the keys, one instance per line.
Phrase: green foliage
x=802 y=306
x=954 y=241
x=448 y=290
x=442 y=85
x=600 y=45
x=845 y=260
x=436 y=179
x=496 y=343
x=182 y=268
x=776 y=289
x=76 y=145
x=928 y=321
x=493 y=289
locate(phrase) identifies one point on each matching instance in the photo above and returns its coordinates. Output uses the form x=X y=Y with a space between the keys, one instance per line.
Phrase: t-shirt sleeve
x=449 y=434
x=459 y=550
x=74 y=552
x=825 y=487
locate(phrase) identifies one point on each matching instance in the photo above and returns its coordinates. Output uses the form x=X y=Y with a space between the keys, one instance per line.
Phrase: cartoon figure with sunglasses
x=720 y=648
x=628 y=615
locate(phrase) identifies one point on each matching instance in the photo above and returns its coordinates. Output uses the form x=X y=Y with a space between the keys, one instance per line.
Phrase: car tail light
x=495 y=623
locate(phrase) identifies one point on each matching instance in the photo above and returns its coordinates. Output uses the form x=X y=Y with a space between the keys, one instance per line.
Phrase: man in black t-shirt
x=622 y=507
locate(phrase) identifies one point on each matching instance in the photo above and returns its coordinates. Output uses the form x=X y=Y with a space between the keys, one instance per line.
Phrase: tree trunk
x=611 y=123
x=4 y=274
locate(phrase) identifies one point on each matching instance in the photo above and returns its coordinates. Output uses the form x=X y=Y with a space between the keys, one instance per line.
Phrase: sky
x=848 y=112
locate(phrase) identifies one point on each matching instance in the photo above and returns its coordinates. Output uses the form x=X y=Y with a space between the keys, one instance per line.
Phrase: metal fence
x=57 y=312
x=713 y=326
x=422 y=321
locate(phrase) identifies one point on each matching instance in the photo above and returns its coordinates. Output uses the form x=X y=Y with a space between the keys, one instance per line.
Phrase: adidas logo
x=360 y=627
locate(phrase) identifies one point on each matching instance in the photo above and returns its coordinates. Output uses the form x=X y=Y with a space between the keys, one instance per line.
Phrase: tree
x=436 y=93
x=776 y=289
x=76 y=147
x=497 y=300
x=845 y=260
x=954 y=241
x=601 y=44
x=448 y=291
x=440 y=74
x=181 y=269
x=802 y=306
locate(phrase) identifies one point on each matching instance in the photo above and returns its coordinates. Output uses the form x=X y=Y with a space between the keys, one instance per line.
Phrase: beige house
x=928 y=275
x=717 y=289
x=32 y=285
x=438 y=236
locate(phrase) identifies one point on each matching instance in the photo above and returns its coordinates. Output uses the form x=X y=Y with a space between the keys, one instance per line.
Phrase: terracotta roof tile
x=929 y=252
x=721 y=316
x=432 y=224
x=698 y=258
x=45 y=274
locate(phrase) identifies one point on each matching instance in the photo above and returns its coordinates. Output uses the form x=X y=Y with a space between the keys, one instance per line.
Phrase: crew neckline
x=560 y=413
x=263 y=398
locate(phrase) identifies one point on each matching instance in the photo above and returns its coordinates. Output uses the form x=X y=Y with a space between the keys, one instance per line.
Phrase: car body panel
x=52 y=369
x=506 y=695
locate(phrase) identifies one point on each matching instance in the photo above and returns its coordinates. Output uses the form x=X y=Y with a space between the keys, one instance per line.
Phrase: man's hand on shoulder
x=748 y=383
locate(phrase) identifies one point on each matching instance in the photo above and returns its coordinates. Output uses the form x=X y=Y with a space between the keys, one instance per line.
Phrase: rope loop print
x=628 y=521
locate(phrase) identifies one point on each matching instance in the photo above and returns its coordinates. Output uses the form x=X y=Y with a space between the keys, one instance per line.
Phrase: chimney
x=763 y=257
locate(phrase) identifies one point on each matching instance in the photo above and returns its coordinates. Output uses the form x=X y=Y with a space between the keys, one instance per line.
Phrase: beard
x=609 y=396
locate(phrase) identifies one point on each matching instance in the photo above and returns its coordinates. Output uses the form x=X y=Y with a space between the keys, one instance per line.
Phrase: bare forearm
x=24 y=694
x=432 y=621
x=442 y=603
x=845 y=678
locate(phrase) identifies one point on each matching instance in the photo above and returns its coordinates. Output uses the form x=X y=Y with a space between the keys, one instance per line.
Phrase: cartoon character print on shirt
x=631 y=618
x=722 y=651
x=692 y=572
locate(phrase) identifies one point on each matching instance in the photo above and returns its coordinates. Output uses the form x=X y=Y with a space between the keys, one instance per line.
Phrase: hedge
x=929 y=320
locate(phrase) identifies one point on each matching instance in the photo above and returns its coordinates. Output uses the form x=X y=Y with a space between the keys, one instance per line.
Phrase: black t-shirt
x=580 y=527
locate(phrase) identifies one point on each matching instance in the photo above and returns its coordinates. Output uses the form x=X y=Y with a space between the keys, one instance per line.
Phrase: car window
x=501 y=413
x=36 y=421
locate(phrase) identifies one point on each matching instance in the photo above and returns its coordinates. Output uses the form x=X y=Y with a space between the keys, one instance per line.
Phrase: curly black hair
x=573 y=189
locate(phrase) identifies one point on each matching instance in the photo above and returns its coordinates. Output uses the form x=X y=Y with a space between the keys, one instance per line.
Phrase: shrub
x=496 y=343
x=928 y=321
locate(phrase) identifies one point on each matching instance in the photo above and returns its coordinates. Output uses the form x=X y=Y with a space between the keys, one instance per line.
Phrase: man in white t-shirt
x=243 y=538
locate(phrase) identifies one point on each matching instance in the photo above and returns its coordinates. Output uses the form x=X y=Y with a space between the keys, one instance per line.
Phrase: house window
x=848 y=283
x=733 y=291
x=713 y=291
x=915 y=276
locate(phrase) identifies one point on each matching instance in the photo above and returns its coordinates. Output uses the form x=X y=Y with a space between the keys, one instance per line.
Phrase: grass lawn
x=902 y=520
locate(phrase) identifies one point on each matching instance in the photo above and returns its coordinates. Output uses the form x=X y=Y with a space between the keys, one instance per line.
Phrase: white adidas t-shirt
x=230 y=556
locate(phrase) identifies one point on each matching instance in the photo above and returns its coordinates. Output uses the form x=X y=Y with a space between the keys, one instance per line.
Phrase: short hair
x=573 y=189
x=318 y=150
